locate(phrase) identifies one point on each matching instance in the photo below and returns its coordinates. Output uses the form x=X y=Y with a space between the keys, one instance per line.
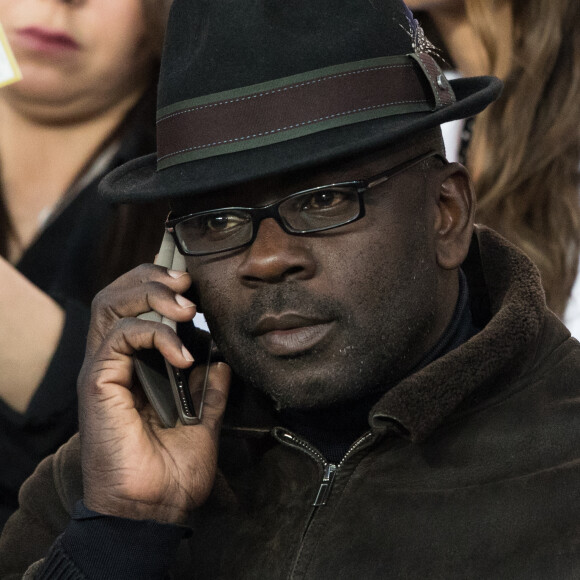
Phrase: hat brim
x=139 y=181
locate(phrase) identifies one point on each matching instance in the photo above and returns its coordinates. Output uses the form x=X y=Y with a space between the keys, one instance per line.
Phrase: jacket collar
x=505 y=289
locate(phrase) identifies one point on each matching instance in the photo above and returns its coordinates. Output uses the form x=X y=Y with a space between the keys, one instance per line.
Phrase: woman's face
x=84 y=52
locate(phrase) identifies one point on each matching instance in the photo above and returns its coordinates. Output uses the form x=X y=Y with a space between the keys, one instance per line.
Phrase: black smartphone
x=165 y=386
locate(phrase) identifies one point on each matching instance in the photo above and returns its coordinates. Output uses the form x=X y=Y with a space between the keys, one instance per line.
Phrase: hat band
x=299 y=105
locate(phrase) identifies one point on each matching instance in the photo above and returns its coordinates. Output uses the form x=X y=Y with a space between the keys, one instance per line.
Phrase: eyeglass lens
x=310 y=211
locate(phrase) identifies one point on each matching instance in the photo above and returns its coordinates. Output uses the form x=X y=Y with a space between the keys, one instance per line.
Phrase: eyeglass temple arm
x=382 y=177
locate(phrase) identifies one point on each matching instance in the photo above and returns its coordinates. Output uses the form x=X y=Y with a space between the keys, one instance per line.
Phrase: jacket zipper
x=329 y=470
x=325 y=485
x=328 y=474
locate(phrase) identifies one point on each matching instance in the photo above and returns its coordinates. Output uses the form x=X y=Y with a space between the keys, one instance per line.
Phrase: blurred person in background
x=85 y=105
x=524 y=151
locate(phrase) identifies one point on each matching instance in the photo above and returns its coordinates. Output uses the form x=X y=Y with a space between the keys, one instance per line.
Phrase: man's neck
x=334 y=429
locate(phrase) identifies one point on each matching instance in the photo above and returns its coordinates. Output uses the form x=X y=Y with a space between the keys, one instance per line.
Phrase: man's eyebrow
x=187 y=205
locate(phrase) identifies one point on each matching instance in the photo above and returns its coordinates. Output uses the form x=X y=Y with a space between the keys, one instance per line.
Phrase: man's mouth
x=290 y=334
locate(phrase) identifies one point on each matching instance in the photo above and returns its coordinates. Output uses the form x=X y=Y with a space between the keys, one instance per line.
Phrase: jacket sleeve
x=54 y=535
x=46 y=503
x=96 y=546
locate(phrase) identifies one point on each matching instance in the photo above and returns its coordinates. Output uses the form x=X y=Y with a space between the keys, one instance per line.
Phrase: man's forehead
x=269 y=189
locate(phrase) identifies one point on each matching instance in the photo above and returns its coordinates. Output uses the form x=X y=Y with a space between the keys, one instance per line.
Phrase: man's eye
x=222 y=223
x=321 y=200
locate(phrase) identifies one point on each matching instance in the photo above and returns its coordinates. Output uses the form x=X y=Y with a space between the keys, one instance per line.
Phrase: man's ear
x=454 y=215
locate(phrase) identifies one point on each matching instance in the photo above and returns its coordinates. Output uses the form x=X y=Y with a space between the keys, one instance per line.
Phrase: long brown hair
x=525 y=150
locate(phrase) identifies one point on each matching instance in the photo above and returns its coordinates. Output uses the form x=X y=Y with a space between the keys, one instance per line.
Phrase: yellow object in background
x=9 y=69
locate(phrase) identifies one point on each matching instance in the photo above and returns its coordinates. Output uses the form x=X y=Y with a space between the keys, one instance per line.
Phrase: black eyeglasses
x=305 y=212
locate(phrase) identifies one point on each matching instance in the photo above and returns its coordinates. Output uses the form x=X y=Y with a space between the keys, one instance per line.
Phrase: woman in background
x=524 y=150
x=85 y=105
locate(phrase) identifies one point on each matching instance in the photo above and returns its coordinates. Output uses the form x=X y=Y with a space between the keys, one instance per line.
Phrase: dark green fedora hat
x=254 y=88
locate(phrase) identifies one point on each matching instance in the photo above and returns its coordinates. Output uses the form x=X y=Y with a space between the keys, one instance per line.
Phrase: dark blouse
x=68 y=262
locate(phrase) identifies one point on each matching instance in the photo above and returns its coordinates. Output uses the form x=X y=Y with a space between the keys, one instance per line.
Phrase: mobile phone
x=165 y=386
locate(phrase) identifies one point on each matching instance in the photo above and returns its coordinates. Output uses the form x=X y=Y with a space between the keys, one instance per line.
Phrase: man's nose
x=275 y=256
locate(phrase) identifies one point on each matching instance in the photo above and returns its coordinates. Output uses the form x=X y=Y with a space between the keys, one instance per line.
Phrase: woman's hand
x=132 y=466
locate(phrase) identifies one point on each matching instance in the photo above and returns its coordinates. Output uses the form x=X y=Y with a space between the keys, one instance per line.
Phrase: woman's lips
x=291 y=334
x=44 y=40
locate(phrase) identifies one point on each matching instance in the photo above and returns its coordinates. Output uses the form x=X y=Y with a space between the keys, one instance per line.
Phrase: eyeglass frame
x=258 y=214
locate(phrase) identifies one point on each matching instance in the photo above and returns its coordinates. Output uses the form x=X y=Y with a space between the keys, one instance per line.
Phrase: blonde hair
x=525 y=150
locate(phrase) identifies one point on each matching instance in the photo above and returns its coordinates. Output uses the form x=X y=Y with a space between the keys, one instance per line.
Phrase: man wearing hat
x=401 y=402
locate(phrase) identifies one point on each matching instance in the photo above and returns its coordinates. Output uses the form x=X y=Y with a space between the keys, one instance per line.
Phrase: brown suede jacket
x=470 y=469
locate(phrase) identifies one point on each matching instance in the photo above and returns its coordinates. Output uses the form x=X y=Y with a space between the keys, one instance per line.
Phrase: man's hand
x=132 y=466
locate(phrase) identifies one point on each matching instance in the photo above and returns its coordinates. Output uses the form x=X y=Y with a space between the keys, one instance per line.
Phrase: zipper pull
x=324 y=490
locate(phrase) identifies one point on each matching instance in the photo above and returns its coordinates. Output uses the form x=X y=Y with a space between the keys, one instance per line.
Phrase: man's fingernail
x=175 y=273
x=186 y=354
x=183 y=302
